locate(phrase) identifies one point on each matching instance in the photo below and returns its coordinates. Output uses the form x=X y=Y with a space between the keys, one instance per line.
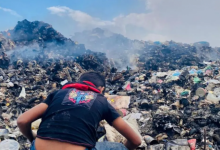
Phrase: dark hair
x=96 y=78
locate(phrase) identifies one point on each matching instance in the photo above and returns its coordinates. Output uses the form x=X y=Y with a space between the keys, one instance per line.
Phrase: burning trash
x=172 y=99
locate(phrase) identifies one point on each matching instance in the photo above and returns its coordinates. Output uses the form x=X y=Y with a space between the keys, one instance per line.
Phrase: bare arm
x=24 y=121
x=133 y=139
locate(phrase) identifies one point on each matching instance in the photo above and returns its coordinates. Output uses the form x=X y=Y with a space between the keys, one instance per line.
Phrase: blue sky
x=37 y=9
x=185 y=21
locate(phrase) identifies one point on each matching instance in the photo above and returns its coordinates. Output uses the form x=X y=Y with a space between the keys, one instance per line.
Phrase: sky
x=185 y=21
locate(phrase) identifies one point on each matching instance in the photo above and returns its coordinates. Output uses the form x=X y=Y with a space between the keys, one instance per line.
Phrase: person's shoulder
x=101 y=98
x=55 y=91
x=59 y=92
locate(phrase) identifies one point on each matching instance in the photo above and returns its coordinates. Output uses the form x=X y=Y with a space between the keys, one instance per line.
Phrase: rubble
x=172 y=99
x=149 y=55
x=177 y=108
x=6 y=44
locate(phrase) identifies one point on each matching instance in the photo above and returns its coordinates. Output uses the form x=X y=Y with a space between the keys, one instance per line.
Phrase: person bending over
x=71 y=116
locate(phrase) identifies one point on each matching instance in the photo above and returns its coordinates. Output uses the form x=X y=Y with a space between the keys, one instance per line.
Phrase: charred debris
x=174 y=89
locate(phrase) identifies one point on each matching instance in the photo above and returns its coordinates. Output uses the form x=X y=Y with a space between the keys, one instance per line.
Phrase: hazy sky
x=185 y=21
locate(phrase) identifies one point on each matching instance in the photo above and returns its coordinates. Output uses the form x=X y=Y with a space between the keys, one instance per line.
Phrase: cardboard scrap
x=118 y=102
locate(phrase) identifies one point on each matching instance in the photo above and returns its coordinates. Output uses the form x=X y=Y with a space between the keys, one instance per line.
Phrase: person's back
x=70 y=116
x=76 y=114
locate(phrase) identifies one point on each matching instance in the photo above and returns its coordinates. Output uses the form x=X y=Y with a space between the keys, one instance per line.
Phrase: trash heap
x=25 y=84
x=6 y=44
x=27 y=33
x=165 y=57
x=170 y=110
x=171 y=103
x=158 y=56
x=39 y=41
x=174 y=109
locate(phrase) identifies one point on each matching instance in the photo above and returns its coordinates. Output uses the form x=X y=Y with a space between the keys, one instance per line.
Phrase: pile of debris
x=6 y=44
x=166 y=57
x=169 y=109
x=25 y=84
x=149 y=55
x=26 y=33
x=174 y=108
x=172 y=99
x=39 y=41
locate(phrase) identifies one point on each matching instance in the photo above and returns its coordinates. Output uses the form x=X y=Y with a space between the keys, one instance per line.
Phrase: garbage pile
x=177 y=109
x=158 y=56
x=25 y=84
x=39 y=41
x=172 y=100
x=169 y=109
x=26 y=33
x=5 y=44
x=166 y=57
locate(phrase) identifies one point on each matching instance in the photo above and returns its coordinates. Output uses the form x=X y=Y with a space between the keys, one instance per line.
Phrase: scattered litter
x=171 y=96
x=64 y=82
x=23 y=93
x=9 y=144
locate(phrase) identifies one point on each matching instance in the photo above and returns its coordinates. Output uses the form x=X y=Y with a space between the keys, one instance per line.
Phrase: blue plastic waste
x=199 y=71
x=192 y=71
x=176 y=74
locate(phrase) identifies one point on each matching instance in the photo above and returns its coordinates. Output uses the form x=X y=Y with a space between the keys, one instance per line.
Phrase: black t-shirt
x=73 y=116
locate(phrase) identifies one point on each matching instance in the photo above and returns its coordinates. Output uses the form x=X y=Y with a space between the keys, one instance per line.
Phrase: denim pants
x=99 y=146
